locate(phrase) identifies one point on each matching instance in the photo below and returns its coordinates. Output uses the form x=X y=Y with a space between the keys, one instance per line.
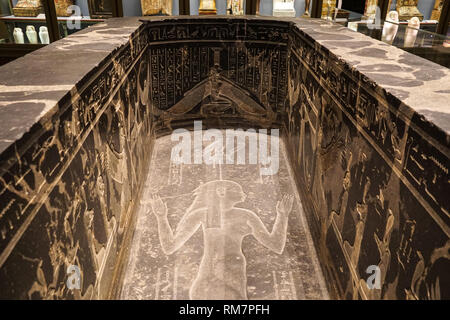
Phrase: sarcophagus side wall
x=372 y=170
x=68 y=186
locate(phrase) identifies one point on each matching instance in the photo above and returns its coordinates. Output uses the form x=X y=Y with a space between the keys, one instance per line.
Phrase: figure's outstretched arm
x=276 y=239
x=185 y=229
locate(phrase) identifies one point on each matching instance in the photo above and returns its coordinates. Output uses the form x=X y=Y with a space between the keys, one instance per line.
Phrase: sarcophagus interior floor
x=231 y=239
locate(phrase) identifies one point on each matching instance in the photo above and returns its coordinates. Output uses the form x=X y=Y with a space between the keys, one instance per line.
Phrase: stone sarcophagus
x=364 y=125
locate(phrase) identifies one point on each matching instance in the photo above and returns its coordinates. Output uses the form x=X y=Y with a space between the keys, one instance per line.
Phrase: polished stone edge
x=67 y=67
x=427 y=104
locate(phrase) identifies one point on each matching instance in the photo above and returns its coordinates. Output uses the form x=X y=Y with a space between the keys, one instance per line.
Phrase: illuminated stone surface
x=222 y=261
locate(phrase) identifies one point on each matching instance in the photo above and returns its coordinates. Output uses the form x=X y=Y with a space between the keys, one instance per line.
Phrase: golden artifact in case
x=371 y=9
x=150 y=7
x=207 y=7
x=436 y=13
x=61 y=7
x=235 y=7
x=407 y=9
x=328 y=7
x=28 y=8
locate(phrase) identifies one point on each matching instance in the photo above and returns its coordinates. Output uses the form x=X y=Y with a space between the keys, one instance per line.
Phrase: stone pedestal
x=307 y=14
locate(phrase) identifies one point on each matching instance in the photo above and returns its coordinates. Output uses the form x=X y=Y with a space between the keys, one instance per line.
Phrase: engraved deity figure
x=222 y=270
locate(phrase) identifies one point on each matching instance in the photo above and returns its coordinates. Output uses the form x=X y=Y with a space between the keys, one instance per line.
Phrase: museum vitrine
x=430 y=13
x=26 y=25
x=73 y=15
x=417 y=26
x=29 y=16
x=69 y=16
x=23 y=22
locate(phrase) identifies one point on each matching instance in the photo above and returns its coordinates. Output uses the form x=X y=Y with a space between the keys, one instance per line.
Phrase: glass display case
x=427 y=12
x=411 y=38
x=29 y=17
x=411 y=25
x=25 y=25
x=23 y=22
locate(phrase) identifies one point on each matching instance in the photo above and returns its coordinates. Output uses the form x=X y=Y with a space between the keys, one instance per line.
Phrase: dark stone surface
x=68 y=187
x=373 y=175
x=368 y=144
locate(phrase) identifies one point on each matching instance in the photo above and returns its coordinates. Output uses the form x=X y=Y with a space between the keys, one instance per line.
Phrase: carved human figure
x=235 y=7
x=390 y=27
x=411 y=32
x=222 y=271
x=383 y=245
x=307 y=14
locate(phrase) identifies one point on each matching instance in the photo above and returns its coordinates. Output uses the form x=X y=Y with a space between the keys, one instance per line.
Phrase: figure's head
x=224 y=192
x=392 y=16
x=414 y=22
